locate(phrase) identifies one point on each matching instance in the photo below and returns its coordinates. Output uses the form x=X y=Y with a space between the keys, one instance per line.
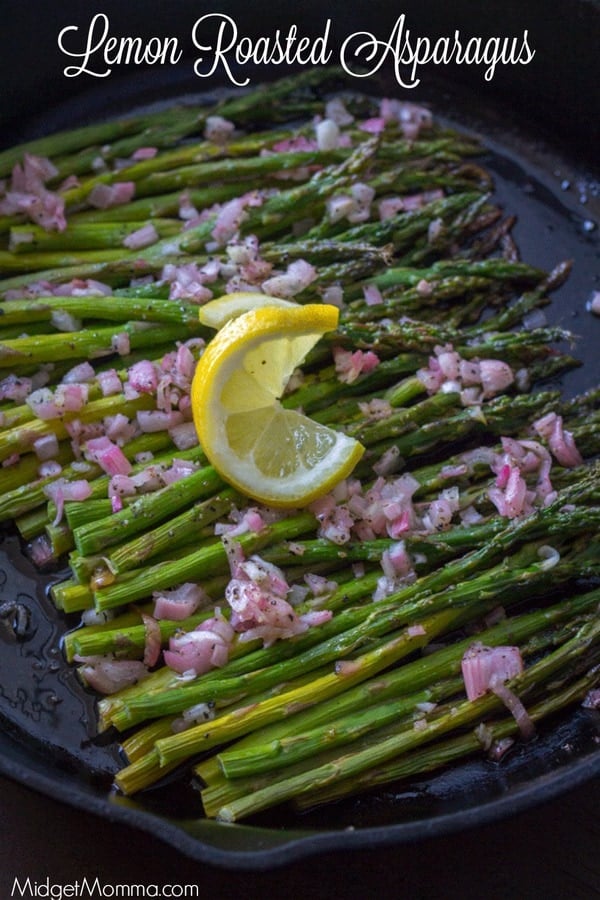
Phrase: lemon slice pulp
x=274 y=455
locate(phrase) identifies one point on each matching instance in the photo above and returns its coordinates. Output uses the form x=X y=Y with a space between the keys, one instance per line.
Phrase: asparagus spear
x=460 y=715
x=151 y=125
x=468 y=298
x=115 y=309
x=406 y=606
x=442 y=753
x=219 y=790
x=267 y=750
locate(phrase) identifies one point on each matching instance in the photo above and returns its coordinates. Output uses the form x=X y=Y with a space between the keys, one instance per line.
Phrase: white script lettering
x=362 y=54
x=113 y=51
x=228 y=50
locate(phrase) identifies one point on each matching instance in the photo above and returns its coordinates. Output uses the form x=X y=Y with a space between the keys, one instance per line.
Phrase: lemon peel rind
x=225 y=356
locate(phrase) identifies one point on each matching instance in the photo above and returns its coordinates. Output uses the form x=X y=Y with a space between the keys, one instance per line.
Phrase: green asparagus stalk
x=115 y=309
x=205 y=562
x=87 y=343
x=174 y=749
x=461 y=715
x=450 y=273
x=219 y=790
x=173 y=123
x=266 y=751
x=227 y=726
x=96 y=536
x=22 y=438
x=406 y=606
x=442 y=753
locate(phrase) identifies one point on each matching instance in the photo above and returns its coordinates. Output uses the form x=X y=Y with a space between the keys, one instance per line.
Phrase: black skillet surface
x=47 y=719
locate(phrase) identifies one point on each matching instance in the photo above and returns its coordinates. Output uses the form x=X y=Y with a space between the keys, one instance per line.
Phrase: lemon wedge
x=276 y=456
x=217 y=313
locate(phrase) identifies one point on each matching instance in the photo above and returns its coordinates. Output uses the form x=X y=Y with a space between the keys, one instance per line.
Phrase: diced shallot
x=218 y=129
x=152 y=420
x=231 y=215
x=40 y=551
x=335 y=109
x=79 y=373
x=43 y=405
x=440 y=511
x=327 y=133
x=62 y=490
x=16 y=388
x=144 y=153
x=561 y=442
x=141 y=237
x=121 y=343
x=389 y=462
x=372 y=295
x=482 y=665
x=319 y=585
x=511 y=498
x=204 y=648
x=46 y=447
x=108 y=455
x=179 y=468
x=119 y=429
x=389 y=207
x=109 y=382
x=473 y=379
x=592 y=699
x=549 y=555
x=143 y=376
x=349 y=365
x=49 y=469
x=187 y=282
x=257 y=594
x=514 y=705
x=374 y=125
x=336 y=525
x=395 y=561
x=251 y=520
x=26 y=193
x=299 y=275
x=153 y=640
x=105 y=196
x=120 y=486
x=495 y=376
x=184 y=435
x=179 y=603
x=71 y=397
x=107 y=675
x=499 y=748
x=409 y=116
x=316 y=617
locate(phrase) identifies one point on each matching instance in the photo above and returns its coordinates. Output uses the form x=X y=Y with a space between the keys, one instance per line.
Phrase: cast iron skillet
x=46 y=719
